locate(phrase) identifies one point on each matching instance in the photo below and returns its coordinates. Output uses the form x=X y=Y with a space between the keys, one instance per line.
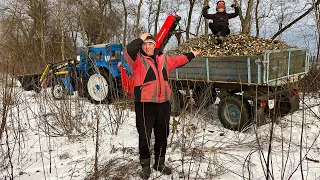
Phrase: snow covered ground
x=56 y=139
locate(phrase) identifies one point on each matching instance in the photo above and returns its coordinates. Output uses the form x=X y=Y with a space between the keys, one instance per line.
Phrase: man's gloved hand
x=206 y=7
x=233 y=5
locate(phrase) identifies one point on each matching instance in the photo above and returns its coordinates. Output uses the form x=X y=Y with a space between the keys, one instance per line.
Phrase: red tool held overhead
x=166 y=30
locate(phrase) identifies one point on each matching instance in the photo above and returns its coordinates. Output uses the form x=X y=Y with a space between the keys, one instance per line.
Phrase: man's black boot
x=146 y=171
x=160 y=166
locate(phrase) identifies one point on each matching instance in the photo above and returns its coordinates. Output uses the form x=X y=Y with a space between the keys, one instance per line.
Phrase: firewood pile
x=233 y=45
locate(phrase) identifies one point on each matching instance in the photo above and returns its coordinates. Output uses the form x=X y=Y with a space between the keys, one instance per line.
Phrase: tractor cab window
x=115 y=55
x=99 y=56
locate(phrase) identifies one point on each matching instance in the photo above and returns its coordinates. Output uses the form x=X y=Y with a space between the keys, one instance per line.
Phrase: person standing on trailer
x=220 y=20
x=152 y=92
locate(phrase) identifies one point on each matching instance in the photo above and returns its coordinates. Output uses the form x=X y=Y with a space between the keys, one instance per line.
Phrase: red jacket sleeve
x=176 y=61
x=130 y=61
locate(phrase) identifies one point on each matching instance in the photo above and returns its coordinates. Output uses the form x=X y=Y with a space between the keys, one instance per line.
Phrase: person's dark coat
x=220 y=17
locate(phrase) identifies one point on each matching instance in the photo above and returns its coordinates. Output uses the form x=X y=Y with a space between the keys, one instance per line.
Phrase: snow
x=199 y=147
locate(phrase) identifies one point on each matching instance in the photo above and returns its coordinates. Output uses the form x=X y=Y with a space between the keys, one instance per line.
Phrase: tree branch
x=294 y=21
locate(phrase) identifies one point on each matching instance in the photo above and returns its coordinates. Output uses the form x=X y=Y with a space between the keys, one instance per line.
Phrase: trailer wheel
x=99 y=88
x=234 y=113
x=58 y=90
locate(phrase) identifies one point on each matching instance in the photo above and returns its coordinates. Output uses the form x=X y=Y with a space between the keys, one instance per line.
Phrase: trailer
x=30 y=82
x=249 y=86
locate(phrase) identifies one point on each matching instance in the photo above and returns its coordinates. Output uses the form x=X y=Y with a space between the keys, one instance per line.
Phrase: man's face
x=220 y=9
x=148 y=48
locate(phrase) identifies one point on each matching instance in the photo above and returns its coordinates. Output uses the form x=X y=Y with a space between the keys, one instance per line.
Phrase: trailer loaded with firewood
x=249 y=86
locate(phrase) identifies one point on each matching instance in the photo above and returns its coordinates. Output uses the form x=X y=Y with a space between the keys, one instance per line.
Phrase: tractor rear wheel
x=99 y=88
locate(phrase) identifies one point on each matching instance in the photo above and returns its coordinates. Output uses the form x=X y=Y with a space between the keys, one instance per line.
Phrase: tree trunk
x=157 y=19
x=102 y=12
x=257 y=18
x=41 y=23
x=247 y=25
x=191 y=2
x=317 y=14
x=150 y=15
x=198 y=26
x=61 y=28
x=294 y=21
x=245 y=21
x=206 y=24
x=124 y=41
x=138 y=20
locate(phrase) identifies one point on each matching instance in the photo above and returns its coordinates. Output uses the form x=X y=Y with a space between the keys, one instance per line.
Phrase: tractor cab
x=102 y=55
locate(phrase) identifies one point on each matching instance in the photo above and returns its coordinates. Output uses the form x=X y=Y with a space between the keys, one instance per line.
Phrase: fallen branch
x=313 y=160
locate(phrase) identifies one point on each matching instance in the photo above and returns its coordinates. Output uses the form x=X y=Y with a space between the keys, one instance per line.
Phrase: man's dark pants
x=154 y=116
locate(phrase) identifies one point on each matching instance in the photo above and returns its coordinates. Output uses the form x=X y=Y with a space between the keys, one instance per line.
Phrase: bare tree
x=317 y=15
x=191 y=5
x=151 y=15
x=246 y=20
x=157 y=18
x=206 y=26
x=37 y=10
x=257 y=18
x=138 y=19
x=124 y=41
x=60 y=19
x=295 y=21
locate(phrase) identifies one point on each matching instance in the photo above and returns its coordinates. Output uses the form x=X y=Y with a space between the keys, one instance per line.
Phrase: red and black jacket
x=151 y=73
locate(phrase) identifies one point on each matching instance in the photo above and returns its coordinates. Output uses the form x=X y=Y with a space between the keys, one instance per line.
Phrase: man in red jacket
x=150 y=70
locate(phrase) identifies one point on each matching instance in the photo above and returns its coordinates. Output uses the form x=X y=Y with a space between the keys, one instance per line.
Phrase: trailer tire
x=234 y=114
x=99 y=88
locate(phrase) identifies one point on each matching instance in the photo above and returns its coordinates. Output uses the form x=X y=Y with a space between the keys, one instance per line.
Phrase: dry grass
x=117 y=169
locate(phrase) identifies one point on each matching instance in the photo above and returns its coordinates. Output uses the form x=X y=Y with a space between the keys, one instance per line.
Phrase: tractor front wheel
x=58 y=90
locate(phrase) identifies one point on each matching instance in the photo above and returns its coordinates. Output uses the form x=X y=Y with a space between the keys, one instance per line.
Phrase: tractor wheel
x=99 y=88
x=58 y=90
x=234 y=113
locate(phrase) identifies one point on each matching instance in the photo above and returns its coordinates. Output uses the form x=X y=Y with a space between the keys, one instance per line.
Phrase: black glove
x=233 y=5
x=206 y=7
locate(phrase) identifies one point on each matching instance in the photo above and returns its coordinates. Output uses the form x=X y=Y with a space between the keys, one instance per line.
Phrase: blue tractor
x=96 y=76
